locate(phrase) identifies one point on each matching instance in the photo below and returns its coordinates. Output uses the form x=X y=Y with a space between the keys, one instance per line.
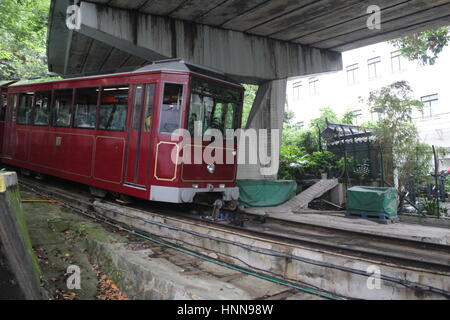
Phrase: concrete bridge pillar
x=266 y=116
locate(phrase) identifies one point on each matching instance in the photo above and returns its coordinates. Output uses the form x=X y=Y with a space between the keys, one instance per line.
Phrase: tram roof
x=5 y=83
x=174 y=65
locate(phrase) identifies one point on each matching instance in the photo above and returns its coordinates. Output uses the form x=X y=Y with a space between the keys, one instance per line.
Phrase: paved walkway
x=339 y=221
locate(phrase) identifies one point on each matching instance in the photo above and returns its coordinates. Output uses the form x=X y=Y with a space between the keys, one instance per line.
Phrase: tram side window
x=25 y=111
x=62 y=111
x=86 y=100
x=3 y=104
x=139 y=94
x=14 y=100
x=148 y=111
x=42 y=108
x=149 y=107
x=113 y=108
x=171 y=108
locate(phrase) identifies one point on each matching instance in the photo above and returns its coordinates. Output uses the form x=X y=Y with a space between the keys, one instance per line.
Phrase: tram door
x=139 y=136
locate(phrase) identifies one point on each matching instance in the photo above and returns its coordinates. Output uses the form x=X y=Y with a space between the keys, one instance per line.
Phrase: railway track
x=400 y=251
x=381 y=249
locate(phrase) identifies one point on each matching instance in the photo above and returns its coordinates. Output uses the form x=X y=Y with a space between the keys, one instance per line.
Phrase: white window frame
x=374 y=63
x=352 y=74
x=297 y=90
x=429 y=102
x=396 y=58
x=313 y=88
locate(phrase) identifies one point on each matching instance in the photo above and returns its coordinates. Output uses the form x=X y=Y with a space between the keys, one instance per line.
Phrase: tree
x=424 y=46
x=349 y=117
x=23 y=34
x=327 y=113
x=395 y=131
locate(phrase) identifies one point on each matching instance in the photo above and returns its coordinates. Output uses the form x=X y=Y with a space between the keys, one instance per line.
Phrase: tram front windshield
x=213 y=107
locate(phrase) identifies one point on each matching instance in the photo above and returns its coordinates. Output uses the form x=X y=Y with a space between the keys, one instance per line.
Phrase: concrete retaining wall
x=257 y=253
x=15 y=239
x=144 y=278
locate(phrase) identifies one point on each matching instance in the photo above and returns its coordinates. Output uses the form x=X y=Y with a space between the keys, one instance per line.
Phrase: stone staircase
x=301 y=201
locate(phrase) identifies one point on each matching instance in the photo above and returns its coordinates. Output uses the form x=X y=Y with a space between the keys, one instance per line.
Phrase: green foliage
x=447 y=185
x=293 y=135
x=47 y=79
x=349 y=117
x=320 y=162
x=327 y=113
x=249 y=98
x=23 y=33
x=15 y=202
x=424 y=46
x=296 y=164
x=430 y=207
x=300 y=156
x=395 y=130
x=290 y=159
x=358 y=169
x=423 y=165
x=341 y=164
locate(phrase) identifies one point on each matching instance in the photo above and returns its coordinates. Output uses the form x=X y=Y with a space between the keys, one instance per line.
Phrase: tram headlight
x=211 y=168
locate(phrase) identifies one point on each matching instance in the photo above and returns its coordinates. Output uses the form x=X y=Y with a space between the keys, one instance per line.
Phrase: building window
x=358 y=116
x=396 y=61
x=297 y=90
x=352 y=74
x=376 y=116
x=300 y=125
x=374 y=67
x=430 y=107
x=313 y=86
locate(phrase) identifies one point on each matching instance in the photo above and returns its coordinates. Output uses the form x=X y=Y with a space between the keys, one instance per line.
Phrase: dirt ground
x=58 y=238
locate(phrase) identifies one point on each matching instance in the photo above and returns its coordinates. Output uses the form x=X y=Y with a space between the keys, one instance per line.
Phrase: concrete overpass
x=253 y=41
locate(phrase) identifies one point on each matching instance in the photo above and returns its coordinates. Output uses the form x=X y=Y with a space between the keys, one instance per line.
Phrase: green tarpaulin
x=262 y=193
x=373 y=201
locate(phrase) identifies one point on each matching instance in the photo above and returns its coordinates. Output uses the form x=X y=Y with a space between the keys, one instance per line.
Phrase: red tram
x=3 y=103
x=113 y=132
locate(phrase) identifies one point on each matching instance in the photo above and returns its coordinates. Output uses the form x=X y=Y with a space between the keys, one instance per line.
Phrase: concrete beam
x=248 y=58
